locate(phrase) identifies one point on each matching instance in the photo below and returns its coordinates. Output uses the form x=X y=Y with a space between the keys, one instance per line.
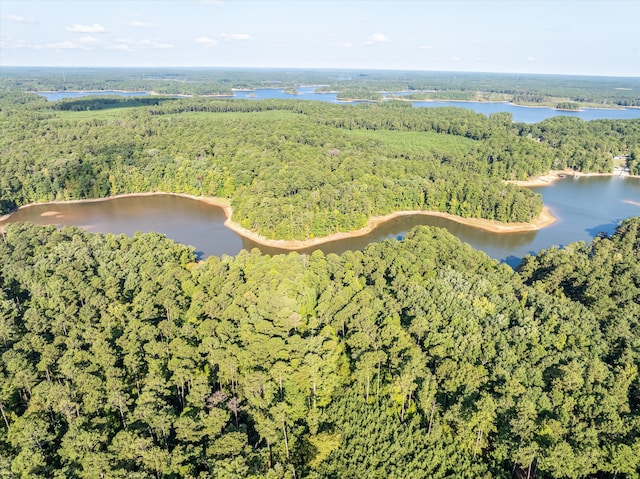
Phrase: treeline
x=555 y=143
x=438 y=95
x=567 y=105
x=121 y=357
x=633 y=161
x=586 y=145
x=355 y=93
x=106 y=102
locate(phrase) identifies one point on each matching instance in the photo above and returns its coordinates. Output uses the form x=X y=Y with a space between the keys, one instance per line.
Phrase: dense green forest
x=525 y=89
x=122 y=357
x=125 y=357
x=369 y=159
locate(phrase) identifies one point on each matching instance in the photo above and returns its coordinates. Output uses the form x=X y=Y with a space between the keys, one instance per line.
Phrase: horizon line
x=631 y=76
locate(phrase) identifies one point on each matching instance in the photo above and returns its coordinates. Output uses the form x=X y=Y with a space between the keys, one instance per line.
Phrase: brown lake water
x=583 y=206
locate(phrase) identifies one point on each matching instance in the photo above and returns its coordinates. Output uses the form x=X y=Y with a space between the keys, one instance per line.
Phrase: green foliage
x=525 y=89
x=368 y=160
x=586 y=145
x=122 y=357
x=358 y=93
x=422 y=358
x=440 y=96
x=568 y=105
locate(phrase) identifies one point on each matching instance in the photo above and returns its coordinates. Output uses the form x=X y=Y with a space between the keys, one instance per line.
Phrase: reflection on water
x=185 y=220
x=398 y=227
x=583 y=207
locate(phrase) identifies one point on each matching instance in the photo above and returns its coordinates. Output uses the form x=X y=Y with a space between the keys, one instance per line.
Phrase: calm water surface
x=583 y=206
x=519 y=113
x=184 y=220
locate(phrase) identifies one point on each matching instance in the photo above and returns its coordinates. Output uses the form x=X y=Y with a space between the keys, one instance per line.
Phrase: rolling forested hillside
x=294 y=170
x=124 y=357
x=121 y=357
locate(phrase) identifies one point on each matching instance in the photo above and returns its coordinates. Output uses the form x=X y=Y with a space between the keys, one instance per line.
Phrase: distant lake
x=59 y=95
x=520 y=114
x=526 y=114
x=583 y=206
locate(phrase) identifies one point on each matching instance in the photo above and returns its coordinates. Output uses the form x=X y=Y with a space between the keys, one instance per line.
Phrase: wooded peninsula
x=422 y=357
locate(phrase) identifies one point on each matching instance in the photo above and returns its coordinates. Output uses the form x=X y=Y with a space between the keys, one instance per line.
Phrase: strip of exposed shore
x=545 y=219
x=223 y=203
x=555 y=175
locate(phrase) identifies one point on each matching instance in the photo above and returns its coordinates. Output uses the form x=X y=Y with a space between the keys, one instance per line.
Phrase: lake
x=59 y=95
x=583 y=206
x=520 y=114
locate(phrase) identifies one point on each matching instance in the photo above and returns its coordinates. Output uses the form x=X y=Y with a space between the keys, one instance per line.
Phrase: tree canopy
x=125 y=357
x=367 y=159
x=417 y=358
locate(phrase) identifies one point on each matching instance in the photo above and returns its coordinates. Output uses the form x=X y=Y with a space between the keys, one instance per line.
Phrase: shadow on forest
x=603 y=230
x=93 y=103
x=514 y=261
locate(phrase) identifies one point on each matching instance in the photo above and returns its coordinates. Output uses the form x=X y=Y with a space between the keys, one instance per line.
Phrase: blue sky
x=561 y=36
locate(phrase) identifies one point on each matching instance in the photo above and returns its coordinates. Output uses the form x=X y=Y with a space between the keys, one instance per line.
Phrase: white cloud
x=160 y=44
x=455 y=58
x=345 y=44
x=230 y=37
x=10 y=42
x=123 y=47
x=424 y=47
x=207 y=42
x=212 y=2
x=89 y=40
x=128 y=45
x=139 y=24
x=531 y=59
x=95 y=28
x=19 y=19
x=7 y=41
x=67 y=45
x=376 y=38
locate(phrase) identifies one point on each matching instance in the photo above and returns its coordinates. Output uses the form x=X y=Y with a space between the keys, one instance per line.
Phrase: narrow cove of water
x=583 y=208
x=184 y=220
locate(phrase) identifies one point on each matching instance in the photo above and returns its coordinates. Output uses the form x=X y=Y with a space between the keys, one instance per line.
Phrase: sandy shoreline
x=555 y=175
x=543 y=180
x=508 y=102
x=219 y=202
x=545 y=219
